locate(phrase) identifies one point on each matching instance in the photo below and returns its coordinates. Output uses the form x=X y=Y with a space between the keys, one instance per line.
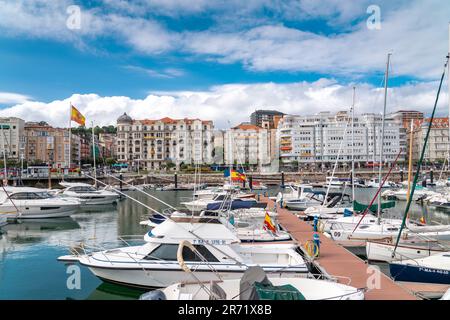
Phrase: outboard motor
x=153 y=295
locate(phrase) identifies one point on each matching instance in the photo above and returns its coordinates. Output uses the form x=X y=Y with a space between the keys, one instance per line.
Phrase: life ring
x=312 y=249
x=180 y=259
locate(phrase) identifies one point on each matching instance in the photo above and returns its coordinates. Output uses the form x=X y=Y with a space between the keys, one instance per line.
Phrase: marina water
x=29 y=249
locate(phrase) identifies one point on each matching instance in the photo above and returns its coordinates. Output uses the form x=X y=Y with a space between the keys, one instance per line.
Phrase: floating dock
x=337 y=261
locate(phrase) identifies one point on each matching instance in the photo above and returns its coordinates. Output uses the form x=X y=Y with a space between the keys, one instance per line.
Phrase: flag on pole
x=268 y=224
x=422 y=220
x=76 y=116
x=236 y=175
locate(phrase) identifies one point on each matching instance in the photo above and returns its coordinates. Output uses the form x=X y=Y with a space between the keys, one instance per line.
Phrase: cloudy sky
x=217 y=60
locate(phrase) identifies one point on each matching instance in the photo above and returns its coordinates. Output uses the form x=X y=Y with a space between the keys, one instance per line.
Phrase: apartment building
x=11 y=137
x=151 y=144
x=437 y=149
x=326 y=137
x=247 y=144
x=44 y=144
x=266 y=118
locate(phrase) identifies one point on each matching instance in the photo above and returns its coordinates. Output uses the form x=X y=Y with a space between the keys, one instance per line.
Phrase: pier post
x=176 y=180
x=401 y=175
x=250 y=182
x=282 y=178
x=431 y=176
x=120 y=181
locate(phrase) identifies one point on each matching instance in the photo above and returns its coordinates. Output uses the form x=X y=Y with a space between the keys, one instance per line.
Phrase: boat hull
x=409 y=273
x=151 y=278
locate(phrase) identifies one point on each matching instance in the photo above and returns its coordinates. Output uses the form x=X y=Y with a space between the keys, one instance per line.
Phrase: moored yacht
x=33 y=203
x=87 y=194
x=154 y=264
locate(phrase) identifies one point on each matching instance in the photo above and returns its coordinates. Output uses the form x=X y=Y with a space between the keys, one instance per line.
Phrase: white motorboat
x=201 y=203
x=406 y=249
x=34 y=203
x=341 y=222
x=335 y=205
x=256 y=284
x=432 y=269
x=401 y=194
x=154 y=264
x=224 y=200
x=87 y=194
x=246 y=231
x=388 y=232
x=375 y=183
x=300 y=197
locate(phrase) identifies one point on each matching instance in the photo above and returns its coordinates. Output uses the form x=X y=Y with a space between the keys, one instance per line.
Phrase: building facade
x=152 y=144
x=437 y=149
x=12 y=137
x=266 y=118
x=107 y=144
x=324 y=138
x=247 y=144
x=44 y=144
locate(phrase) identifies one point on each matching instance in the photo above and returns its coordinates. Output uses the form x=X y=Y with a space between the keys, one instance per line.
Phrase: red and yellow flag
x=237 y=176
x=422 y=220
x=268 y=224
x=76 y=116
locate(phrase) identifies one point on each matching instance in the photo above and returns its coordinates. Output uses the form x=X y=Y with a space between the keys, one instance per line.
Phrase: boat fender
x=153 y=295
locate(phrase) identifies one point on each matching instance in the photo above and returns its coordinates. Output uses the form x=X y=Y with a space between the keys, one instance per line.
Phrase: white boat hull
x=376 y=251
x=151 y=278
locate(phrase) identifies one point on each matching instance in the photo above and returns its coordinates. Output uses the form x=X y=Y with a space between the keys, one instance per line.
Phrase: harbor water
x=29 y=248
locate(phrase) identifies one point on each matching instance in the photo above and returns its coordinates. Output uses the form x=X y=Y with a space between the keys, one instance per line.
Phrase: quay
x=335 y=260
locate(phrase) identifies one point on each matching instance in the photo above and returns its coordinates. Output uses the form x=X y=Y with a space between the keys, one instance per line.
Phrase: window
x=168 y=252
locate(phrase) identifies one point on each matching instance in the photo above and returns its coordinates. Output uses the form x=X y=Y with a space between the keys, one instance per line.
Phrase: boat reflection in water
x=37 y=229
x=110 y=291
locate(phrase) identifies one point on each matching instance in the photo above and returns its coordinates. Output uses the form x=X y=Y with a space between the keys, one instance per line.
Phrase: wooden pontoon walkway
x=338 y=261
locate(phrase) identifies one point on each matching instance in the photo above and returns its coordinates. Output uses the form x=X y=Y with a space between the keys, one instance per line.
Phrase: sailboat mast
x=93 y=155
x=70 y=135
x=448 y=83
x=410 y=158
x=380 y=166
x=353 y=145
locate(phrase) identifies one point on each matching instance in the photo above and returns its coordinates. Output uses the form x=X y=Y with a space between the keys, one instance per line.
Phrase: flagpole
x=93 y=155
x=70 y=135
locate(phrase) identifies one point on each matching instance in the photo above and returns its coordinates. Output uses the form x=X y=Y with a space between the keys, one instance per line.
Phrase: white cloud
x=234 y=102
x=13 y=98
x=416 y=32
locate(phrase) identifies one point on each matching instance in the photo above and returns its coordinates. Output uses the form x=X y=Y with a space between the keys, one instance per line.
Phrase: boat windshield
x=168 y=252
x=30 y=195
x=83 y=189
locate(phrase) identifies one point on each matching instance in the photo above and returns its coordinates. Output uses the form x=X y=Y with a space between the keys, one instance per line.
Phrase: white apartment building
x=323 y=137
x=437 y=149
x=247 y=144
x=12 y=137
x=151 y=143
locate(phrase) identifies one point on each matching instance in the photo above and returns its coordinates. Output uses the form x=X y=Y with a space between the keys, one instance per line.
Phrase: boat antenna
x=416 y=176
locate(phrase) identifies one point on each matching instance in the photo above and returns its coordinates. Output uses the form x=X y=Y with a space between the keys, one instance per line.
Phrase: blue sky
x=188 y=52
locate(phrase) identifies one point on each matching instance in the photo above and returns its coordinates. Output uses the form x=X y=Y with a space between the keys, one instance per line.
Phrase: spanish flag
x=422 y=220
x=268 y=224
x=76 y=116
x=237 y=176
